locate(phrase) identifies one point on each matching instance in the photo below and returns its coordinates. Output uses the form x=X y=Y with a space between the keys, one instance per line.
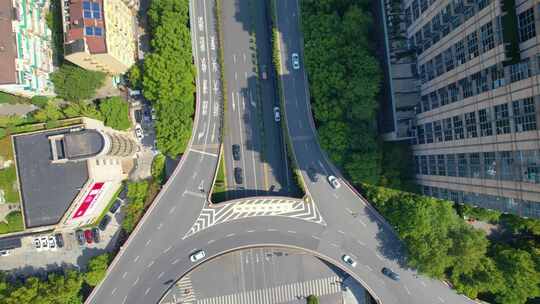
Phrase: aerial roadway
x=331 y=223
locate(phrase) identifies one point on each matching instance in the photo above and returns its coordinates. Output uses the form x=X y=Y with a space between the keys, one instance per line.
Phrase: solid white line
x=291 y=231
x=204 y=153
x=339 y=231
x=361 y=222
x=136 y=259
x=160 y=274
x=168 y=248
x=211 y=241
x=147 y=291
x=175 y=261
x=230 y=234
x=150 y=264
x=113 y=291
x=407 y=289
x=136 y=281
x=124 y=275
x=148 y=243
x=316 y=237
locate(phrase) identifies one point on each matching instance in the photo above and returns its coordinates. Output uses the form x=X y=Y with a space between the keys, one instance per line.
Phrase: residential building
x=99 y=35
x=476 y=122
x=25 y=48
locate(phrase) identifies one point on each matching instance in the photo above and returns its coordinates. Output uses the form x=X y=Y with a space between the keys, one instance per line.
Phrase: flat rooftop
x=47 y=189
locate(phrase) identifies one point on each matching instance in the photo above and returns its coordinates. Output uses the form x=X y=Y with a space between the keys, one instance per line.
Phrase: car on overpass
x=295 y=61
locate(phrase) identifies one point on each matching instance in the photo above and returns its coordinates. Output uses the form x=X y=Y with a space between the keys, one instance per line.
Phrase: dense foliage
x=116 y=113
x=168 y=77
x=137 y=193
x=97 y=268
x=158 y=169
x=443 y=246
x=344 y=82
x=73 y=83
x=13 y=223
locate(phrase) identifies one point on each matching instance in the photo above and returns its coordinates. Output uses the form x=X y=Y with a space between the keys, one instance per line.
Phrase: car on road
x=197 y=256
x=347 y=259
x=238 y=175
x=139 y=132
x=312 y=174
x=236 y=152
x=52 y=242
x=104 y=222
x=96 y=235
x=390 y=273
x=88 y=236
x=154 y=115
x=79 y=235
x=115 y=206
x=264 y=74
x=277 y=115
x=37 y=244
x=59 y=240
x=295 y=61
x=138 y=116
x=334 y=182
x=4 y=253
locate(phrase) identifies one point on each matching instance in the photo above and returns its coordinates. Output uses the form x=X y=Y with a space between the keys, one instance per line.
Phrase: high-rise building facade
x=475 y=132
x=25 y=48
x=99 y=35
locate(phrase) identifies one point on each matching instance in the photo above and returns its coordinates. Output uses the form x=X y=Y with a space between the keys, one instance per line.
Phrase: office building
x=25 y=48
x=475 y=127
x=99 y=35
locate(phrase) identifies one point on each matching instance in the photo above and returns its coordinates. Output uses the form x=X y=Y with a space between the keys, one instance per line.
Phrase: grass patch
x=14 y=223
x=8 y=183
x=8 y=98
x=6 y=149
x=219 y=191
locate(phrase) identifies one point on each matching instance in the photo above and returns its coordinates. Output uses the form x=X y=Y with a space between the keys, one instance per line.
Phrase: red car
x=88 y=236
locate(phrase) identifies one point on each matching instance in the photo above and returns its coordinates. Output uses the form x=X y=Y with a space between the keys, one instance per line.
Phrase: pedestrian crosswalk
x=187 y=294
x=279 y=294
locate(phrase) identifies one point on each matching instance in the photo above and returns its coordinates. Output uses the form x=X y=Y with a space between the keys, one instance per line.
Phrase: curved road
x=157 y=252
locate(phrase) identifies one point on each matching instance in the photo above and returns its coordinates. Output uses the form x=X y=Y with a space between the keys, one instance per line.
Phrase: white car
x=277 y=115
x=295 y=61
x=198 y=255
x=139 y=132
x=4 y=253
x=52 y=243
x=37 y=244
x=334 y=182
x=44 y=242
x=347 y=259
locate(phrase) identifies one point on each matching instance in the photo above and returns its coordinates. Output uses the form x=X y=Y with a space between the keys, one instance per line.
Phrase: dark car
x=312 y=174
x=79 y=235
x=238 y=176
x=389 y=273
x=96 y=235
x=89 y=237
x=138 y=116
x=104 y=222
x=236 y=152
x=59 y=240
x=115 y=207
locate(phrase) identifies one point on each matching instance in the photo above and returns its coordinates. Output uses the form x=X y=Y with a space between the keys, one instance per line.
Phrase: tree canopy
x=115 y=112
x=73 y=83
x=97 y=268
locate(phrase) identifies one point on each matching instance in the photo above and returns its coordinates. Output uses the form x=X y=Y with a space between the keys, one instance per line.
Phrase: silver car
x=197 y=255
x=334 y=182
x=295 y=61
x=347 y=259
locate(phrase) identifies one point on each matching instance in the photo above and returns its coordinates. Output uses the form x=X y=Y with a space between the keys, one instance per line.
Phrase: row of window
x=519 y=116
x=521 y=166
x=519 y=207
x=93 y=31
x=485 y=80
x=471 y=46
x=91 y=10
x=447 y=20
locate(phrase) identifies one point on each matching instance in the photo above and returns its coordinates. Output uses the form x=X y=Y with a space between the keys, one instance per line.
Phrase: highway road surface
x=329 y=224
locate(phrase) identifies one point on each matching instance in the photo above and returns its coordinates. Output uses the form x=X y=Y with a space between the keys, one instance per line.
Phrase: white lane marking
x=234 y=58
x=211 y=241
x=245 y=75
x=349 y=210
x=378 y=256
x=147 y=243
x=249 y=231
x=423 y=283
x=124 y=275
x=168 y=248
x=361 y=222
x=159 y=226
x=271 y=229
x=406 y=289
x=113 y=291
x=440 y=299
x=150 y=264
x=124 y=301
x=230 y=234
x=232 y=95
x=204 y=152
x=136 y=259
x=335 y=245
x=160 y=274
x=147 y=291
x=341 y=232
x=316 y=237
x=136 y=281
x=175 y=261
x=172 y=209
x=361 y=243
x=291 y=231
x=235 y=76
x=369 y=268
x=191 y=193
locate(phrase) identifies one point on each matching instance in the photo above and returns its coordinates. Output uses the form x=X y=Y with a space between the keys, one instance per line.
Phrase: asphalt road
x=251 y=100
x=157 y=252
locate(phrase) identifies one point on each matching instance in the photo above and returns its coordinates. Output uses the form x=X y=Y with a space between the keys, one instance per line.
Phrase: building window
x=423 y=5
x=524 y=115
x=429 y=133
x=483 y=3
x=497 y=76
x=484 y=117
x=408 y=16
x=447 y=129
x=439 y=66
x=425 y=103
x=449 y=59
x=470 y=124
x=502 y=119
x=415 y=9
x=420 y=134
x=474 y=164
x=427 y=35
x=91 y=10
x=530 y=164
x=458 y=127
x=419 y=42
x=466 y=87
x=459 y=47
x=437 y=130
x=451 y=164
x=441 y=165
x=486 y=34
x=454 y=92
x=443 y=96
x=89 y=31
x=434 y=98
x=429 y=70
x=423 y=165
x=432 y=165
x=463 y=166
x=520 y=70
x=472 y=44
x=506 y=165
x=526 y=25
x=417 y=165
x=490 y=165
x=423 y=73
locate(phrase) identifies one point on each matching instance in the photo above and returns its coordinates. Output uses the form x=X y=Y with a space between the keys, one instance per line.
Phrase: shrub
x=73 y=83
x=116 y=113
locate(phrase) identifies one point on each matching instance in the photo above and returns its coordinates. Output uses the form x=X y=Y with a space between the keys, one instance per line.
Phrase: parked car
x=334 y=182
x=37 y=244
x=52 y=242
x=79 y=235
x=115 y=207
x=277 y=115
x=295 y=61
x=96 y=235
x=139 y=132
x=236 y=152
x=4 y=253
x=238 y=176
x=138 y=116
x=104 y=222
x=264 y=75
x=390 y=273
x=59 y=240
x=347 y=259
x=312 y=174
x=197 y=255
x=44 y=242
x=154 y=115
x=134 y=93
x=88 y=236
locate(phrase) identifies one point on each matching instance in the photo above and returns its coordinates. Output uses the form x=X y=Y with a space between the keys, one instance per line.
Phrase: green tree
x=85 y=109
x=521 y=277
x=97 y=268
x=134 y=76
x=312 y=299
x=51 y=112
x=116 y=113
x=73 y=83
x=137 y=193
x=158 y=169
x=40 y=101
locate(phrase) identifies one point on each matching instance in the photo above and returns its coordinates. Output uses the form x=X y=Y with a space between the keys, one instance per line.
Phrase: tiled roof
x=96 y=44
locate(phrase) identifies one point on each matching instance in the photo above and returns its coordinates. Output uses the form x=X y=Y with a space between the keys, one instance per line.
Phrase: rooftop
x=47 y=188
x=86 y=23
x=83 y=144
x=8 y=51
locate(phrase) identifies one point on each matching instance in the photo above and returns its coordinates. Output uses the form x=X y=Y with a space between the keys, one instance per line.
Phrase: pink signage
x=89 y=200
